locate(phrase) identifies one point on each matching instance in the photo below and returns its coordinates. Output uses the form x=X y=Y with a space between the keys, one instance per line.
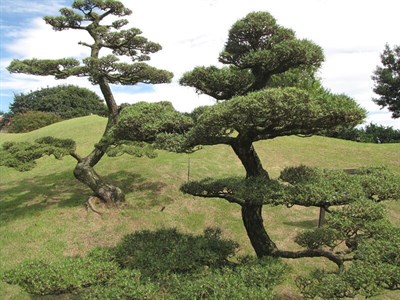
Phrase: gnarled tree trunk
x=259 y=238
x=252 y=212
x=106 y=192
x=84 y=170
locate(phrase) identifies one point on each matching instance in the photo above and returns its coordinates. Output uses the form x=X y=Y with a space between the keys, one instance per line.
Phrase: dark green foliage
x=273 y=112
x=257 y=49
x=251 y=279
x=67 y=101
x=306 y=186
x=372 y=251
x=379 y=183
x=126 y=284
x=137 y=149
x=387 y=80
x=150 y=126
x=325 y=286
x=144 y=121
x=322 y=187
x=238 y=190
x=22 y=156
x=125 y=74
x=64 y=276
x=317 y=238
x=258 y=43
x=32 y=120
x=221 y=83
x=167 y=251
x=154 y=265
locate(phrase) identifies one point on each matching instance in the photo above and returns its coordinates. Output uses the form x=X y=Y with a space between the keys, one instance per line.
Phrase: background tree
x=32 y=120
x=67 y=101
x=89 y=16
x=387 y=80
x=371 y=133
x=260 y=54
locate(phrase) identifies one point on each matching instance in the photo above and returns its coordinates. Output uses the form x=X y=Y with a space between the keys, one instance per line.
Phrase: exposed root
x=90 y=204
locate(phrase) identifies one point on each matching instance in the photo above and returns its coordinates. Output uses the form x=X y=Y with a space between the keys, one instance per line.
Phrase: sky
x=352 y=33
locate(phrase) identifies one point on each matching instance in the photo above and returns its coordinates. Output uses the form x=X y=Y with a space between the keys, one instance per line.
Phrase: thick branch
x=76 y=156
x=230 y=198
x=310 y=253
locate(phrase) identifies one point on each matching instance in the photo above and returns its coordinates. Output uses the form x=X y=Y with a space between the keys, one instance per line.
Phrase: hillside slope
x=44 y=208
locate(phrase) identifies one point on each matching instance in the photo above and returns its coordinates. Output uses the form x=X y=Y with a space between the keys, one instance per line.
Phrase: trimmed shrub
x=126 y=284
x=251 y=279
x=168 y=251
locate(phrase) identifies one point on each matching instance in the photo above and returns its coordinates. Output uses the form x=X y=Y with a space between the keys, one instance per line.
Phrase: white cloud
x=352 y=34
x=23 y=6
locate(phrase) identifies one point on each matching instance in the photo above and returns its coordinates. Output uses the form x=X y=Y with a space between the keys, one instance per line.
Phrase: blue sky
x=351 y=32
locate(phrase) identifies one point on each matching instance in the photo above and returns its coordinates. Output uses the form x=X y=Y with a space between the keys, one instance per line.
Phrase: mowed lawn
x=43 y=216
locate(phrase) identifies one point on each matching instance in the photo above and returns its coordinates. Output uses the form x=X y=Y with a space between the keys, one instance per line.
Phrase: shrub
x=67 y=275
x=126 y=284
x=33 y=120
x=168 y=251
x=251 y=279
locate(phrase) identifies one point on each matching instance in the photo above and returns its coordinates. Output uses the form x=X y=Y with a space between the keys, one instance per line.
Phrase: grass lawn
x=42 y=213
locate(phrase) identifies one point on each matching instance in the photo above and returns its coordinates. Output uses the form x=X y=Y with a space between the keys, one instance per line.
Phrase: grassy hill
x=42 y=213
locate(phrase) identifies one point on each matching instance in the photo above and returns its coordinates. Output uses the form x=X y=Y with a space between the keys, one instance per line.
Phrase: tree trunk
x=84 y=170
x=251 y=212
x=259 y=238
x=249 y=158
x=108 y=193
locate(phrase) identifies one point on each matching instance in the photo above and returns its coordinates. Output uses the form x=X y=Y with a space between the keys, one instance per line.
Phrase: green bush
x=154 y=265
x=251 y=279
x=67 y=275
x=32 y=120
x=168 y=251
x=126 y=284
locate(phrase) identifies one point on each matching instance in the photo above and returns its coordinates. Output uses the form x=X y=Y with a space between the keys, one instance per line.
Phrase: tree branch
x=221 y=195
x=76 y=156
x=311 y=253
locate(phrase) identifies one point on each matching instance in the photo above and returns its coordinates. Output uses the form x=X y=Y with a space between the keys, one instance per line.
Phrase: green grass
x=42 y=213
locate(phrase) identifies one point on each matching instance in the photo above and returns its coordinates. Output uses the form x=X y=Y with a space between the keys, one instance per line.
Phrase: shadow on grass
x=306 y=224
x=32 y=196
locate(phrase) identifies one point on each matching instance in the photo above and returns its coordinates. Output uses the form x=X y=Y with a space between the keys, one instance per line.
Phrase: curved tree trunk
x=108 y=193
x=259 y=238
x=249 y=158
x=251 y=212
x=84 y=170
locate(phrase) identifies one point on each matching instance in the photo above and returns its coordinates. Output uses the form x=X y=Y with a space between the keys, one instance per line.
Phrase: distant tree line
x=371 y=133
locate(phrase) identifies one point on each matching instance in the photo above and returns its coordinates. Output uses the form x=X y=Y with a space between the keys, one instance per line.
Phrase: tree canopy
x=387 y=80
x=67 y=101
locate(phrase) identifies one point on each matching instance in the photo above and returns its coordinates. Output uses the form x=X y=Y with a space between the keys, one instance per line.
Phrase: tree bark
x=252 y=212
x=106 y=192
x=85 y=173
x=254 y=224
x=249 y=158
x=84 y=170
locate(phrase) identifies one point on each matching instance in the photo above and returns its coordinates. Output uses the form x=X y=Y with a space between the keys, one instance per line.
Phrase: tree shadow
x=306 y=224
x=33 y=195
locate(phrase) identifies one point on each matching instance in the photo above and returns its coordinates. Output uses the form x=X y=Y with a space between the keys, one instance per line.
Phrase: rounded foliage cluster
x=66 y=101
